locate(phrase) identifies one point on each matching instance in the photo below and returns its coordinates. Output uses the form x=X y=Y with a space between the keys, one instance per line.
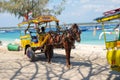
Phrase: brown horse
x=66 y=40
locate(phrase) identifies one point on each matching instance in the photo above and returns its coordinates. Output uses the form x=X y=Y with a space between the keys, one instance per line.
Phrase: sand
x=88 y=62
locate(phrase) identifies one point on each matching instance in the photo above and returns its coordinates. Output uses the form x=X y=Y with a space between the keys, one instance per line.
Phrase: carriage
x=112 y=46
x=33 y=34
x=33 y=39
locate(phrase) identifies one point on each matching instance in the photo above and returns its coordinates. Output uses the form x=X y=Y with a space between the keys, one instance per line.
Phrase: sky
x=76 y=11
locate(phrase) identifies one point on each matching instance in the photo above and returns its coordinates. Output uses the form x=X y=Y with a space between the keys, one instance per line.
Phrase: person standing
x=94 y=31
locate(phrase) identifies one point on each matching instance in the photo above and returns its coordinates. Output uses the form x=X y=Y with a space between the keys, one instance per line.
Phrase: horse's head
x=76 y=32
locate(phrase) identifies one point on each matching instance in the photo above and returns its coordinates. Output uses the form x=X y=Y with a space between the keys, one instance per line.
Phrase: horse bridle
x=73 y=32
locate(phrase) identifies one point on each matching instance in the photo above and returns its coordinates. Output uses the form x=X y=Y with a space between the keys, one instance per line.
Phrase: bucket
x=13 y=47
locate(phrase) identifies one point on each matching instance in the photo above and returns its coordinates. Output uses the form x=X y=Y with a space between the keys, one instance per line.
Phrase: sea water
x=87 y=37
x=9 y=36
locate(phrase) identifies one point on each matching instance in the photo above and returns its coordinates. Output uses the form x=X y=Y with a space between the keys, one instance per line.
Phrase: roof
x=40 y=19
x=47 y=19
x=109 y=15
x=108 y=18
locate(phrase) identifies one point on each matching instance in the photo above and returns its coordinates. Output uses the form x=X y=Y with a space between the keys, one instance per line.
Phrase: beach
x=89 y=26
x=88 y=62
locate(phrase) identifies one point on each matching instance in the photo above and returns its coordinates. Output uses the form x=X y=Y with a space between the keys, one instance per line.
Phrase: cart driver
x=43 y=30
x=26 y=31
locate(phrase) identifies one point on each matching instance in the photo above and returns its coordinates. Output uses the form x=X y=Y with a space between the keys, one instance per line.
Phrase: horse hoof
x=68 y=66
x=49 y=62
x=73 y=47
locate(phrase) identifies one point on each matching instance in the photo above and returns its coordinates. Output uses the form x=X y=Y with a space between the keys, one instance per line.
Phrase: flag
x=30 y=15
x=25 y=17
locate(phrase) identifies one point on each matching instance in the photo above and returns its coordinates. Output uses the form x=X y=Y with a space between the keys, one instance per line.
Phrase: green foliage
x=38 y=7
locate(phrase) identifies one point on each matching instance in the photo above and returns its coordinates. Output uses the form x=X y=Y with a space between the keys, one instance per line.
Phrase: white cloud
x=72 y=3
x=4 y=14
x=116 y=1
x=69 y=2
x=98 y=7
x=86 y=10
x=7 y=19
x=84 y=1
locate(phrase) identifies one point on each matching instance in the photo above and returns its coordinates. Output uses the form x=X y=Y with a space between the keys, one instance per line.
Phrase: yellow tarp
x=108 y=18
x=39 y=19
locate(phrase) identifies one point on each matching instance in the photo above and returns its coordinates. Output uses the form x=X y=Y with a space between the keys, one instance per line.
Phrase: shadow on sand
x=94 y=68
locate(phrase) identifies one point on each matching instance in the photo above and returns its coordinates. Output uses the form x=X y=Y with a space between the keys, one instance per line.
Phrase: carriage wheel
x=30 y=54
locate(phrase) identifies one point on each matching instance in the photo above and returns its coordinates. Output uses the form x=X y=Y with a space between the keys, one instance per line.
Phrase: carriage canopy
x=109 y=15
x=40 y=19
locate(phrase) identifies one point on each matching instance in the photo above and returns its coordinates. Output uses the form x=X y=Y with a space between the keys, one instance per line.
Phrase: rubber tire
x=30 y=54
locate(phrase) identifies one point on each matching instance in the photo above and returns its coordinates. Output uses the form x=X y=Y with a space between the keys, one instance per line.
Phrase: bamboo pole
x=104 y=32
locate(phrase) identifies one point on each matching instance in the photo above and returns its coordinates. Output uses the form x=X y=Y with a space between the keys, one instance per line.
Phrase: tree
x=21 y=8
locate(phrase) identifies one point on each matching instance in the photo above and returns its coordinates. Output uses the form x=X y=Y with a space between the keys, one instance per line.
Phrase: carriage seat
x=34 y=39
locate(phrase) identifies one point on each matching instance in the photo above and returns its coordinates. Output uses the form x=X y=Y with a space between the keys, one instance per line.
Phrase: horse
x=66 y=40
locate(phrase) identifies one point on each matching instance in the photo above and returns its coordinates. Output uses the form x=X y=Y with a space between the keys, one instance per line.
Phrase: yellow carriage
x=32 y=37
x=113 y=47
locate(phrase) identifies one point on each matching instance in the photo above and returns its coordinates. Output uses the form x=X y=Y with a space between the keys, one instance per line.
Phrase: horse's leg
x=68 y=50
x=51 y=52
x=47 y=53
